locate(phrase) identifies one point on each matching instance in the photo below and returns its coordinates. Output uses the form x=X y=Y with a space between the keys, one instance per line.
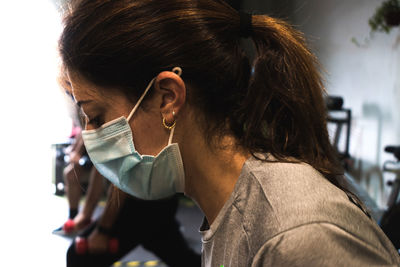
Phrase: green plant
x=386 y=16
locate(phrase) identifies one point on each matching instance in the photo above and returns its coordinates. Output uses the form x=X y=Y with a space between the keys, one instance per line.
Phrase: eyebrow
x=79 y=103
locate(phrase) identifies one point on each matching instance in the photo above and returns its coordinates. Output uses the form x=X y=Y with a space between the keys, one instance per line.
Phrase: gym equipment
x=60 y=161
x=395 y=150
x=59 y=164
x=69 y=226
x=390 y=222
x=81 y=245
x=340 y=117
x=151 y=263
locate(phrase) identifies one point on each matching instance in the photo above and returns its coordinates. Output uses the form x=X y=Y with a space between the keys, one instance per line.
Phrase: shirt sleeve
x=320 y=244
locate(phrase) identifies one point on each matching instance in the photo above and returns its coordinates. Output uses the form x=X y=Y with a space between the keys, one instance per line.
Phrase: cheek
x=119 y=107
x=149 y=135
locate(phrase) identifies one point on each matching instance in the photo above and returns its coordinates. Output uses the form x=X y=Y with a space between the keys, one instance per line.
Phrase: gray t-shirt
x=286 y=214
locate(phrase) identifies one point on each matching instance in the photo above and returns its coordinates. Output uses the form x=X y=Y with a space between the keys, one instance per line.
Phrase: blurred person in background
x=79 y=170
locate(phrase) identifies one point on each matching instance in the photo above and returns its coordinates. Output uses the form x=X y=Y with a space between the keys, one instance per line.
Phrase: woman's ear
x=172 y=89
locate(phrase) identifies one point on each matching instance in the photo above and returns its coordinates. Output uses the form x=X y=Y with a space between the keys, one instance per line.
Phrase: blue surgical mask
x=112 y=151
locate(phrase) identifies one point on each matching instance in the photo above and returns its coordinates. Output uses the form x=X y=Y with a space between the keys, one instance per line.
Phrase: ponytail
x=283 y=112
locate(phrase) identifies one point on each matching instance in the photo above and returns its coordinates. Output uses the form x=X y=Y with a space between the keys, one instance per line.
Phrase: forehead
x=82 y=89
x=109 y=98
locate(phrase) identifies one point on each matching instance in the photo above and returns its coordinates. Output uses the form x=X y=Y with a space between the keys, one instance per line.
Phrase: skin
x=210 y=172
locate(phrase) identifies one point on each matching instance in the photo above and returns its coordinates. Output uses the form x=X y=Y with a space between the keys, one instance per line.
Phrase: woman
x=173 y=104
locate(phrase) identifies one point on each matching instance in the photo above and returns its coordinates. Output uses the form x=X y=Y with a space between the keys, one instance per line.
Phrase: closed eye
x=96 y=122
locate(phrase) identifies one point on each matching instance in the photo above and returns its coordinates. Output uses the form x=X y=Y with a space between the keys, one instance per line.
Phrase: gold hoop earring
x=169 y=127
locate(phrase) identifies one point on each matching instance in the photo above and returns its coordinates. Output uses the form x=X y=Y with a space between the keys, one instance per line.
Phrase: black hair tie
x=245 y=24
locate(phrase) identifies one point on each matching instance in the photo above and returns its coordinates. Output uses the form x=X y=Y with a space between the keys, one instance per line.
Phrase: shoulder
x=290 y=186
x=281 y=175
x=274 y=197
x=294 y=193
x=320 y=244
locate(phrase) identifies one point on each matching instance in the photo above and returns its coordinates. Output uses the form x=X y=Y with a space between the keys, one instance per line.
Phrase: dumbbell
x=81 y=245
x=69 y=226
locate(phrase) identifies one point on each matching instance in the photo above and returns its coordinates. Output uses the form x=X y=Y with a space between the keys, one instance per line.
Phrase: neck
x=211 y=173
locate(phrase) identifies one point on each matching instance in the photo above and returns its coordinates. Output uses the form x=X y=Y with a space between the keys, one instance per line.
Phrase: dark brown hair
x=274 y=105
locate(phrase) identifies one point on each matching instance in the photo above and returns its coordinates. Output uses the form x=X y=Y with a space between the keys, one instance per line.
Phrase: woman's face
x=101 y=105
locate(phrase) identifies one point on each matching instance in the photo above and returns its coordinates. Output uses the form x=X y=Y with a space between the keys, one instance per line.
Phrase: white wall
x=33 y=116
x=367 y=76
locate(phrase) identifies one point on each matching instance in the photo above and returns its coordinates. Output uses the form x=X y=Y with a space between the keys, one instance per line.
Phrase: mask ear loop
x=178 y=71
x=171 y=128
x=171 y=134
x=141 y=99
